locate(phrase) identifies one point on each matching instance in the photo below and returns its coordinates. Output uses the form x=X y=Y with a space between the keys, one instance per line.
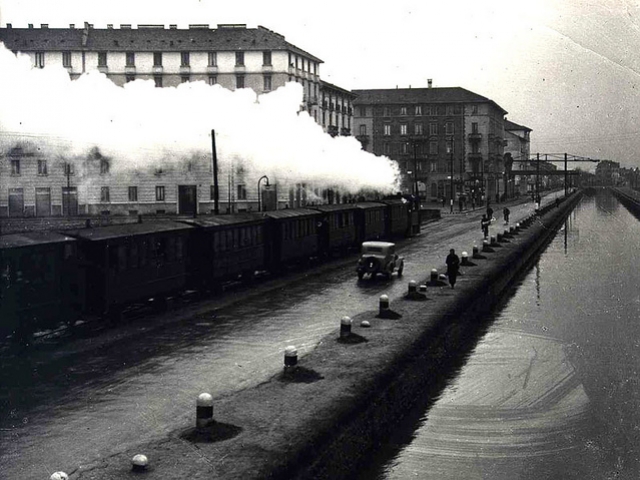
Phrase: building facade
x=518 y=146
x=448 y=142
x=232 y=56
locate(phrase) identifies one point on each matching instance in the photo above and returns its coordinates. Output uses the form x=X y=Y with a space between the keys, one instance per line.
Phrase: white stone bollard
x=59 y=476
x=204 y=410
x=290 y=357
x=345 y=326
x=384 y=304
x=139 y=463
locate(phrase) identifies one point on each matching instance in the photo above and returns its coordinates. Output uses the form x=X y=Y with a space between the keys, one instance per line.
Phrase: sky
x=568 y=69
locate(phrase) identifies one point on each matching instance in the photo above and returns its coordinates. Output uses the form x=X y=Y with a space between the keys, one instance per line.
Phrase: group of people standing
x=488 y=218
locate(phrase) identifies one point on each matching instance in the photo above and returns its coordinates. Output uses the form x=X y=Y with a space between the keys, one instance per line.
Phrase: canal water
x=550 y=387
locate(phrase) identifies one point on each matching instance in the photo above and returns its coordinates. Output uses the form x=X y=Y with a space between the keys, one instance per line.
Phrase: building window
x=474 y=127
x=433 y=129
x=387 y=129
x=66 y=59
x=133 y=194
x=242 y=192
x=129 y=78
x=363 y=111
x=403 y=110
x=386 y=148
x=39 y=61
x=266 y=58
x=157 y=59
x=42 y=167
x=102 y=59
x=448 y=128
x=267 y=83
x=131 y=59
x=158 y=80
x=387 y=112
x=239 y=81
x=403 y=129
x=184 y=78
x=104 y=195
x=363 y=129
x=417 y=129
x=15 y=167
x=213 y=80
x=160 y=193
x=69 y=169
x=239 y=59
x=213 y=59
x=404 y=147
x=474 y=110
x=104 y=166
x=184 y=59
x=418 y=110
x=433 y=148
x=449 y=110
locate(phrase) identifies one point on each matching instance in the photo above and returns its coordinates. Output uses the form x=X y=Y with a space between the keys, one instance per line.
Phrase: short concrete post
x=518 y=227
x=384 y=304
x=493 y=241
x=139 y=463
x=290 y=357
x=434 y=275
x=486 y=247
x=475 y=251
x=498 y=238
x=423 y=289
x=204 y=410
x=345 y=327
x=413 y=287
x=465 y=259
x=59 y=476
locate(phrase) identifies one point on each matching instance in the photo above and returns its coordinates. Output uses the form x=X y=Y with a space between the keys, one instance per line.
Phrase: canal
x=548 y=387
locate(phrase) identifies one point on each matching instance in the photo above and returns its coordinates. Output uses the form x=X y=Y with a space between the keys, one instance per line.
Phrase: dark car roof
x=291 y=213
x=226 y=220
x=27 y=239
x=127 y=230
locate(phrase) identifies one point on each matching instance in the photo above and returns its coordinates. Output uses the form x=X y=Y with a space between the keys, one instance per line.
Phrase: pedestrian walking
x=484 y=224
x=453 y=266
x=489 y=213
x=506 y=212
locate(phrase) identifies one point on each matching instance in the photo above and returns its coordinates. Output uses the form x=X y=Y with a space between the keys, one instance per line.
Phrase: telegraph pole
x=214 y=160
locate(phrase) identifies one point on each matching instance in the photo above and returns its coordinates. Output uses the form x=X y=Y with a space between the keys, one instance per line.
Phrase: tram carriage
x=370 y=220
x=292 y=236
x=337 y=227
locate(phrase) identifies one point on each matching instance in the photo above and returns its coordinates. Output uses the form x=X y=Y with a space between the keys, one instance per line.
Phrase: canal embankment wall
x=325 y=417
x=629 y=198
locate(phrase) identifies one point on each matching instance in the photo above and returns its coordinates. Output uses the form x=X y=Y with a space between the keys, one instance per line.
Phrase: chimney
x=31 y=25
x=429 y=82
x=9 y=26
x=72 y=26
x=110 y=26
x=173 y=27
x=44 y=25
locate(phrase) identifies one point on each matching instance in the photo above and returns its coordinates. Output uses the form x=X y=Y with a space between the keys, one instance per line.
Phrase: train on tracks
x=58 y=277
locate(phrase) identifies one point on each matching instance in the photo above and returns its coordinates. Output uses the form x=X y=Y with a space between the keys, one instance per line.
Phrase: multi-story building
x=608 y=172
x=518 y=146
x=336 y=109
x=448 y=141
x=232 y=56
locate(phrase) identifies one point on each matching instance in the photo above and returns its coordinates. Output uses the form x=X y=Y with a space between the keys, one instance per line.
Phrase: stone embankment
x=323 y=417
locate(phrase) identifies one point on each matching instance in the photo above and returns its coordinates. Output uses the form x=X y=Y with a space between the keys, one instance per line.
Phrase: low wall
x=325 y=419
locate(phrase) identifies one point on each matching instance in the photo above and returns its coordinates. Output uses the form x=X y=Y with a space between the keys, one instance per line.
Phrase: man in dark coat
x=484 y=224
x=453 y=265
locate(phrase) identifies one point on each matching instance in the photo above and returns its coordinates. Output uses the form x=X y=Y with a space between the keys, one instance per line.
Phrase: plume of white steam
x=141 y=126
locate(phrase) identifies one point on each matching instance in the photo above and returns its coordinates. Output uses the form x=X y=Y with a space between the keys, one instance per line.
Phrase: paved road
x=91 y=397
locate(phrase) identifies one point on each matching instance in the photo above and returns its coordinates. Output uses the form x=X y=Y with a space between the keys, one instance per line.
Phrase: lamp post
x=264 y=177
x=415 y=175
x=450 y=147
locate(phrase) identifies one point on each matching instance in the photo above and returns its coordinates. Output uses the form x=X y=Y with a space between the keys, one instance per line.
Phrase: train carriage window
x=179 y=248
x=229 y=239
x=215 y=241
x=113 y=257
x=259 y=235
x=171 y=249
x=69 y=251
x=143 y=253
x=160 y=249
x=285 y=230
x=122 y=258
x=133 y=254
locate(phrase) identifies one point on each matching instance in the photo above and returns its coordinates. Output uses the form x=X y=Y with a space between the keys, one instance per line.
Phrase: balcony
x=475 y=137
x=345 y=132
x=332 y=130
x=475 y=156
x=130 y=70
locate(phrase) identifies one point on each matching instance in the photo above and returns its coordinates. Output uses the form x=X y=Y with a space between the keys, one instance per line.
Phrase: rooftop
x=148 y=37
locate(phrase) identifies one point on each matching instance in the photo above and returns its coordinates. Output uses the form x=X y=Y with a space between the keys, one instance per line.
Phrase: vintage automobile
x=379 y=257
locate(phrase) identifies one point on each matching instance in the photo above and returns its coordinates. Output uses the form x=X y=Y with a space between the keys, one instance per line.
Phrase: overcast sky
x=567 y=69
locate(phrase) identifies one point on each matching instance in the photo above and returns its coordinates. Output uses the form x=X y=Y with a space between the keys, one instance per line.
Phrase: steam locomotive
x=51 y=278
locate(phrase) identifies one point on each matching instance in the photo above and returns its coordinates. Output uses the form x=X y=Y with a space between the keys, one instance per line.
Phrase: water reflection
x=552 y=390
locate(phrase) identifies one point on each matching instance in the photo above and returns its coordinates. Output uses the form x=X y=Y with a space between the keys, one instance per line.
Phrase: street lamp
x=415 y=175
x=264 y=177
x=450 y=148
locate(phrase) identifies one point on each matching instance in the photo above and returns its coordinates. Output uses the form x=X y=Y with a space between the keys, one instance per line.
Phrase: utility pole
x=214 y=159
x=451 y=162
